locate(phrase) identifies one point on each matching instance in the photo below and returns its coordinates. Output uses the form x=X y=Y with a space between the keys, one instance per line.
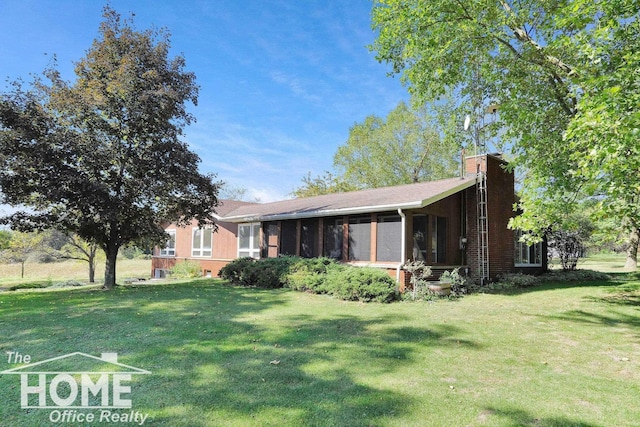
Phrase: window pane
x=434 y=239
x=442 y=240
x=333 y=238
x=288 y=238
x=438 y=239
x=196 y=242
x=360 y=239
x=207 y=236
x=389 y=238
x=524 y=253
x=244 y=235
x=170 y=246
x=309 y=238
x=255 y=233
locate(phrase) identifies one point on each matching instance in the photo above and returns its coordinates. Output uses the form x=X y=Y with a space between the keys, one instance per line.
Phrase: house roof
x=227 y=206
x=410 y=196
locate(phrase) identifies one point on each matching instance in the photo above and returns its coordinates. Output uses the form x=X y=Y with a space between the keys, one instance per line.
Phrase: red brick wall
x=500 y=201
x=207 y=265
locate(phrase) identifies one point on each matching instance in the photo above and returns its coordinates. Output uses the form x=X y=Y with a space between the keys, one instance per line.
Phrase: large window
x=202 y=242
x=333 y=238
x=389 y=238
x=170 y=247
x=249 y=240
x=527 y=255
x=360 y=238
x=438 y=239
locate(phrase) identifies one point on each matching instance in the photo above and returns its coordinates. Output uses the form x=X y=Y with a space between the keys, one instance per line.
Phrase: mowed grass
x=558 y=355
x=51 y=273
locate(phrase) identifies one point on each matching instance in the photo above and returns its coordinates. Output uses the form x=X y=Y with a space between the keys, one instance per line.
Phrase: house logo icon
x=71 y=384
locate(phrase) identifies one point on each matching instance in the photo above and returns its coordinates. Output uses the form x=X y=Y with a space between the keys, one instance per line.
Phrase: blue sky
x=281 y=81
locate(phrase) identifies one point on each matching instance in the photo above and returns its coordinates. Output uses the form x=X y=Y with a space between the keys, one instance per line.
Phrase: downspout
x=403 y=247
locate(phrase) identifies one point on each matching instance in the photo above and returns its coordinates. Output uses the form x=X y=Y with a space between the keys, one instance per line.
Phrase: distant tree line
x=55 y=246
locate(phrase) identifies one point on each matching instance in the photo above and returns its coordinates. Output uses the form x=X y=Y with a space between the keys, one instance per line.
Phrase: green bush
x=235 y=270
x=317 y=275
x=574 y=276
x=186 y=270
x=517 y=280
x=264 y=273
x=361 y=284
x=309 y=274
x=32 y=285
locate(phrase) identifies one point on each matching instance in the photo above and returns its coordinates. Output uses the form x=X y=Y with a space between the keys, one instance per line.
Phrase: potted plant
x=443 y=286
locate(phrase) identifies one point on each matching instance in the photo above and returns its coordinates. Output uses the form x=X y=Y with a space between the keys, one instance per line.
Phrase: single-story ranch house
x=457 y=222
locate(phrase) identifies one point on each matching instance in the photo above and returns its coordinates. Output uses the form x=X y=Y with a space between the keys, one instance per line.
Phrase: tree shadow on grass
x=614 y=318
x=626 y=294
x=520 y=417
x=222 y=355
x=309 y=373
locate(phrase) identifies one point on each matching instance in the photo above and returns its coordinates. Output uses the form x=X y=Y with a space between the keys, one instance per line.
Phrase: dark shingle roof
x=227 y=206
x=365 y=201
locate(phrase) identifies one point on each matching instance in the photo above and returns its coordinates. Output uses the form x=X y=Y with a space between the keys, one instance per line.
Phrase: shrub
x=457 y=281
x=361 y=284
x=418 y=281
x=516 y=280
x=234 y=271
x=307 y=282
x=309 y=274
x=264 y=273
x=317 y=275
x=32 y=285
x=574 y=276
x=186 y=270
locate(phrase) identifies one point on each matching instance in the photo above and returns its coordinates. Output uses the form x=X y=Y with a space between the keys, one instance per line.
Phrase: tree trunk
x=92 y=269
x=110 y=270
x=632 y=251
x=22 y=270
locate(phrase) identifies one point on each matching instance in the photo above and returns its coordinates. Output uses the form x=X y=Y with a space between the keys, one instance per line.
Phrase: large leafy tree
x=102 y=157
x=565 y=74
x=405 y=147
x=409 y=145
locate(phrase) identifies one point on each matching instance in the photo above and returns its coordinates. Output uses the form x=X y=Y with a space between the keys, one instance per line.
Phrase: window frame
x=531 y=251
x=253 y=250
x=201 y=249
x=165 y=251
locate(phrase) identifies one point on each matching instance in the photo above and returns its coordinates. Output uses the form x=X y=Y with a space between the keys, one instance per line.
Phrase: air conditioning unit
x=160 y=273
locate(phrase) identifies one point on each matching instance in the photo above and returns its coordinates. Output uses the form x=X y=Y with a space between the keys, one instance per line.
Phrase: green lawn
x=52 y=273
x=558 y=355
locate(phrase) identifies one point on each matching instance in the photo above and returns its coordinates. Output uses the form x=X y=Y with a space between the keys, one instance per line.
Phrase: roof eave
x=352 y=210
